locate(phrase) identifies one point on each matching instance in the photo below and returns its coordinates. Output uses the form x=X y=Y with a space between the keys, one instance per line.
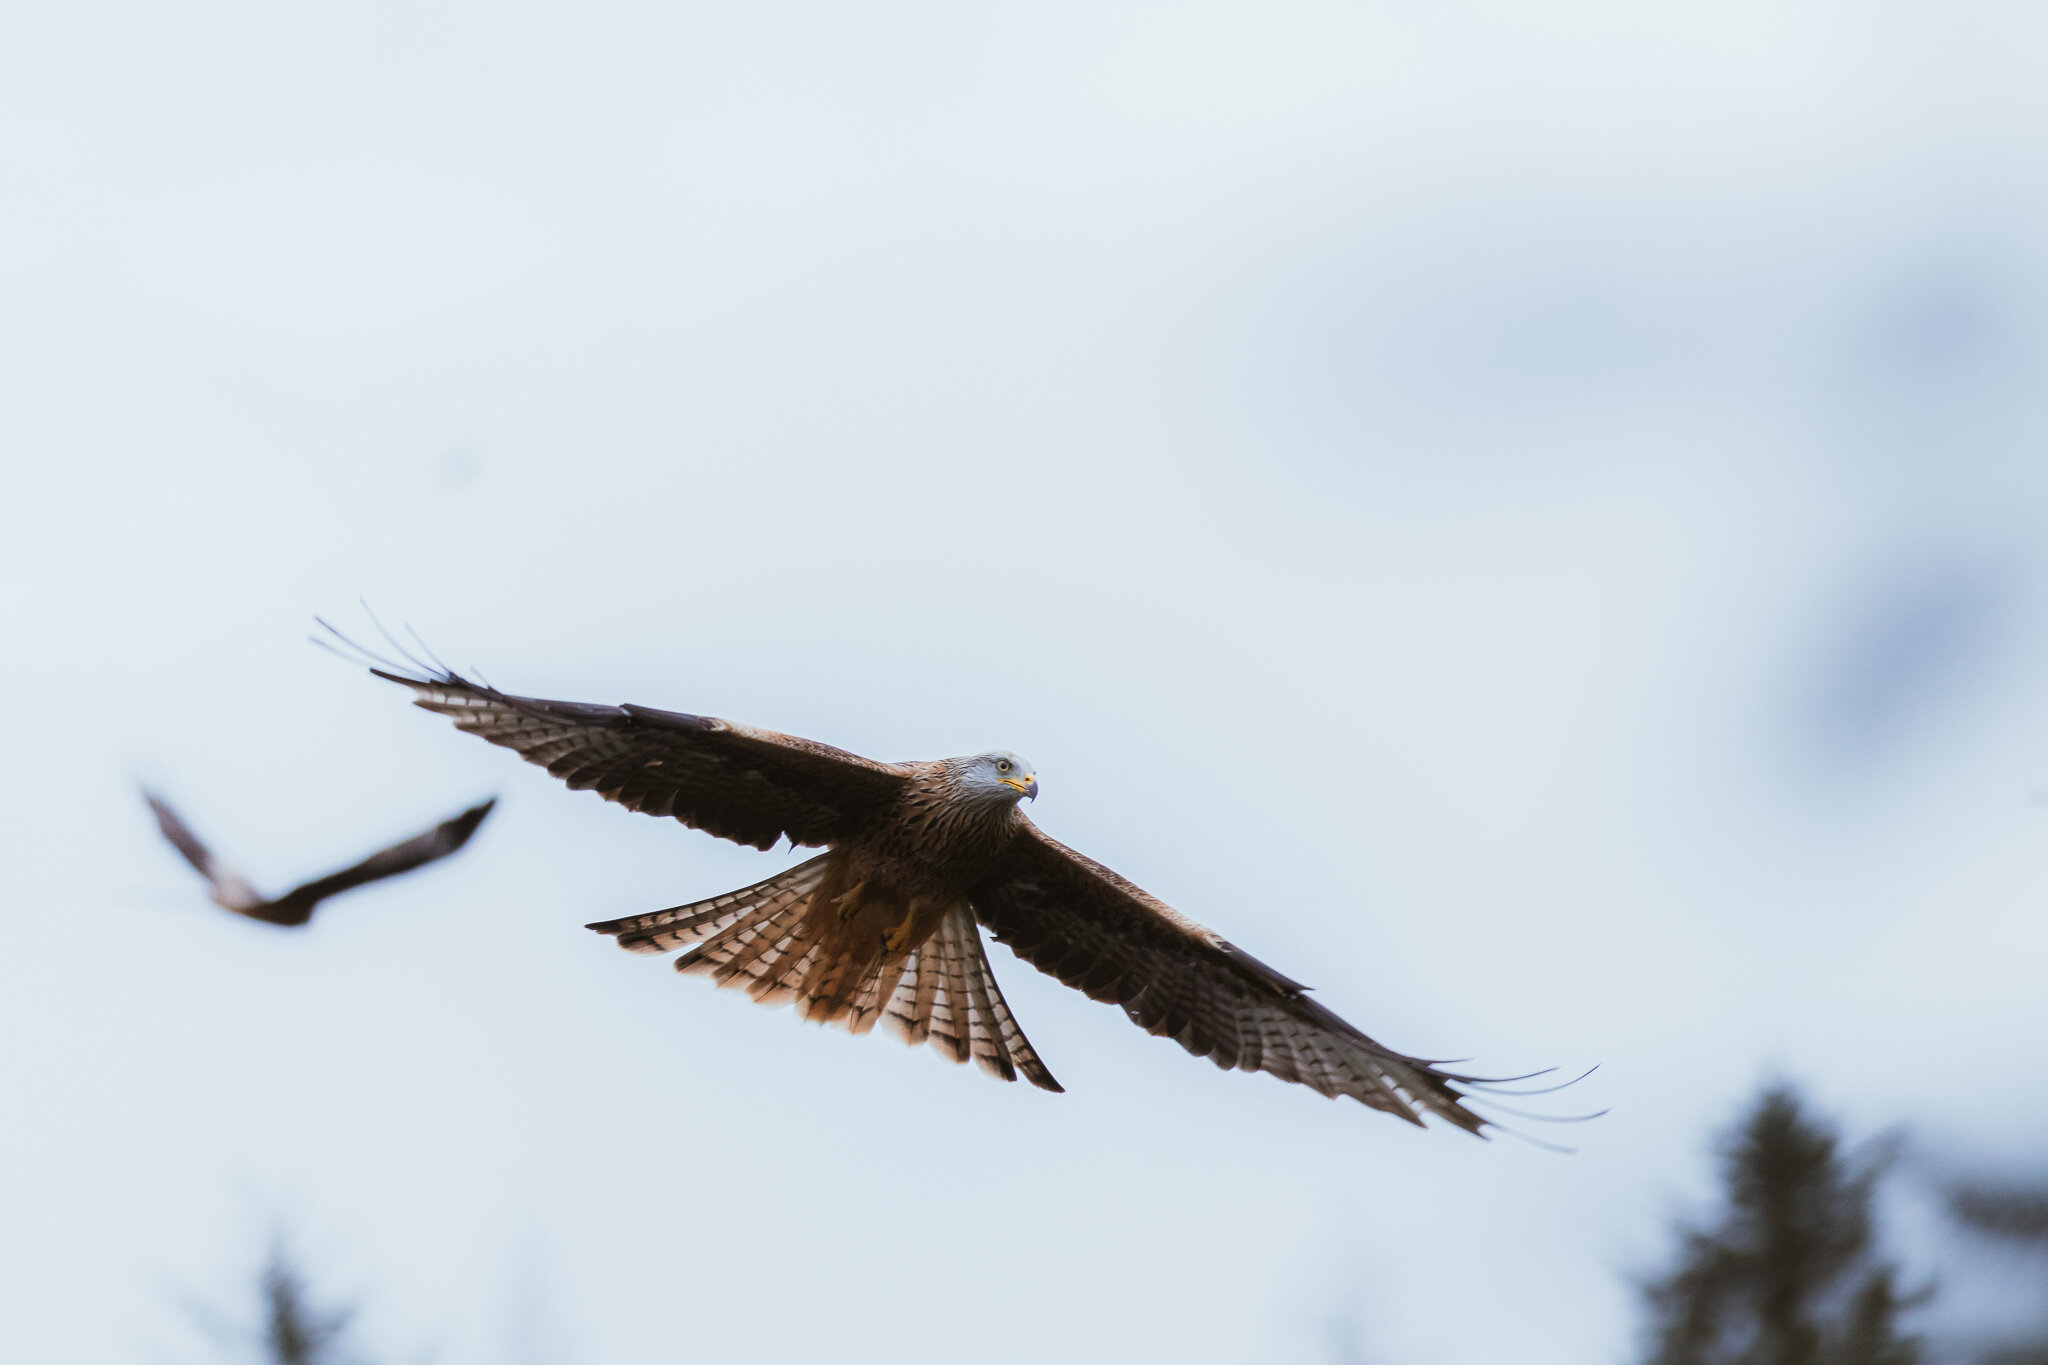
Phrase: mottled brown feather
x=749 y=785
x=1080 y=922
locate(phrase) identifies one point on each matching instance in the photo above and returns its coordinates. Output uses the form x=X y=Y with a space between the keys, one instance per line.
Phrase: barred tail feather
x=773 y=942
x=764 y=954
x=947 y=996
x=685 y=925
x=876 y=990
x=778 y=987
x=823 y=992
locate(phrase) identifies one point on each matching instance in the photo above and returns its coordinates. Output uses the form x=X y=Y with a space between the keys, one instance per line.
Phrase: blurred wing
x=1074 y=919
x=182 y=839
x=740 y=783
x=438 y=842
x=230 y=892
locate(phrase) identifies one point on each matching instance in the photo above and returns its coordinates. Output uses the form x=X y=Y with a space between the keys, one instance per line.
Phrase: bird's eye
x=1002 y=765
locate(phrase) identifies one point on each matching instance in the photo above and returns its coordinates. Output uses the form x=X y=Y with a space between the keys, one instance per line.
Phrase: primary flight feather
x=882 y=927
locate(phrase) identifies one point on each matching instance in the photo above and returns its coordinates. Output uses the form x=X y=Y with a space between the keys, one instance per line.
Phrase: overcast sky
x=1527 y=519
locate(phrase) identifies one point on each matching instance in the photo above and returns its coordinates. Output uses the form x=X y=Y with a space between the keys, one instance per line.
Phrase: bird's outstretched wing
x=1076 y=920
x=736 y=781
x=295 y=907
x=229 y=890
x=437 y=843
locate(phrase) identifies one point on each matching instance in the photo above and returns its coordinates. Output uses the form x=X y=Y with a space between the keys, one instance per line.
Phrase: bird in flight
x=295 y=907
x=883 y=926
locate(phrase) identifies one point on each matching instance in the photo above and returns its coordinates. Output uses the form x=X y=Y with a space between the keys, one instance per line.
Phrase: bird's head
x=998 y=775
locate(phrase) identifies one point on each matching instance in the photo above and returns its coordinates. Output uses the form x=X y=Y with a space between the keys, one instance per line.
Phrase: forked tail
x=771 y=940
x=943 y=993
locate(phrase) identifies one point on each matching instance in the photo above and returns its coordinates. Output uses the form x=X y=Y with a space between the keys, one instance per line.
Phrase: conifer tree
x=1789 y=1272
x=295 y=1331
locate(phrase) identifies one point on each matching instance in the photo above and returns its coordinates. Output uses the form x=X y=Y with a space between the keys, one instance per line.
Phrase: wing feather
x=296 y=906
x=1080 y=922
x=437 y=843
x=739 y=782
x=227 y=886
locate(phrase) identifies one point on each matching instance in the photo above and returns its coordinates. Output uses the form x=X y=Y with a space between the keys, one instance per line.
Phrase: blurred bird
x=882 y=928
x=295 y=907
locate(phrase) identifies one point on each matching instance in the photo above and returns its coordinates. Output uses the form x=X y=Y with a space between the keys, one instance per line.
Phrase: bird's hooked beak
x=1026 y=785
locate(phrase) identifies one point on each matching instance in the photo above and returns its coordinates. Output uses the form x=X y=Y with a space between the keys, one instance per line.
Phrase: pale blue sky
x=1526 y=519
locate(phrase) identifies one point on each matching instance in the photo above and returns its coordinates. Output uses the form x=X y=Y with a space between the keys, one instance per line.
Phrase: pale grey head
x=997 y=775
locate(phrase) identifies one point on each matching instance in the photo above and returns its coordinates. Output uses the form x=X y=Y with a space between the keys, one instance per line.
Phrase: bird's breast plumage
x=934 y=840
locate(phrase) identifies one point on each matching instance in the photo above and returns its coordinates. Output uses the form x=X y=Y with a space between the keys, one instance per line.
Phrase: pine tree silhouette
x=295 y=1331
x=1790 y=1275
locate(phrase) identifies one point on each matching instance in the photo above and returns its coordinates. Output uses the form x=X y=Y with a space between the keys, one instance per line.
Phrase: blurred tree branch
x=2014 y=1215
x=2017 y=1212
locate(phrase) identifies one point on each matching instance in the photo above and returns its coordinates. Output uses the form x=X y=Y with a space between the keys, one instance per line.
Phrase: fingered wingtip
x=1486 y=1105
x=422 y=671
x=1488 y=1086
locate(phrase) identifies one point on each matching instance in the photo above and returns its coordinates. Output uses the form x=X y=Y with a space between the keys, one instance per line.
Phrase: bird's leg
x=848 y=900
x=895 y=940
